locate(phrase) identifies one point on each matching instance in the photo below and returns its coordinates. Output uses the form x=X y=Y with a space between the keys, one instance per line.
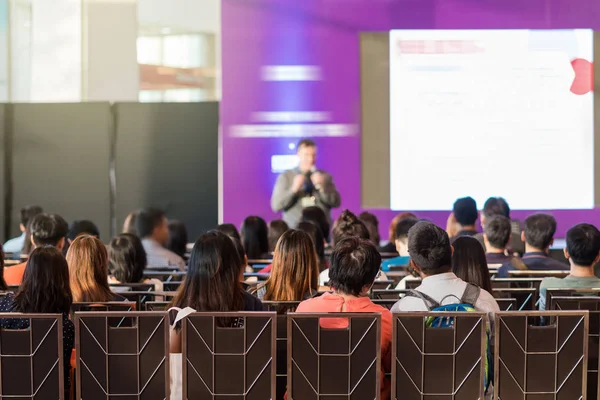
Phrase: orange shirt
x=14 y=275
x=329 y=302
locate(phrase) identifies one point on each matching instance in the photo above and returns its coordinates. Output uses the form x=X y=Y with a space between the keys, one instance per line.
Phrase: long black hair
x=126 y=258
x=45 y=287
x=255 y=237
x=178 y=238
x=469 y=262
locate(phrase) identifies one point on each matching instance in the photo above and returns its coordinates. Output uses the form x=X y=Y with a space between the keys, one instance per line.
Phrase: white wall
x=191 y=15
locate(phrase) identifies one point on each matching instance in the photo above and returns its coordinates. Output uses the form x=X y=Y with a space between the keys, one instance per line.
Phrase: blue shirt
x=15 y=245
x=535 y=261
x=400 y=261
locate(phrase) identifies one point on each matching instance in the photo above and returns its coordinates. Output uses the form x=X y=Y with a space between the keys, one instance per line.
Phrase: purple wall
x=325 y=33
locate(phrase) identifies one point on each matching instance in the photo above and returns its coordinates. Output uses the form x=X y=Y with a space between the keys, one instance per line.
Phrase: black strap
x=430 y=303
x=470 y=295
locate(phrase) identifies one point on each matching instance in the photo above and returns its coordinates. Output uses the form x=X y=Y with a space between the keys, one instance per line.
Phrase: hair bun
x=348 y=217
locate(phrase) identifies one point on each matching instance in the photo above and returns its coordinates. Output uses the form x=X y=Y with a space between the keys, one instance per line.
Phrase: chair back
x=526 y=297
x=550 y=293
x=508 y=304
x=547 y=361
x=506 y=283
x=120 y=306
x=122 y=362
x=529 y=273
x=388 y=294
x=157 y=305
x=171 y=286
x=32 y=361
x=128 y=287
x=328 y=362
x=165 y=275
x=432 y=362
x=238 y=362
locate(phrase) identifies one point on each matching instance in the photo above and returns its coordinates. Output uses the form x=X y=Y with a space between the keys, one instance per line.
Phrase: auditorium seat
x=229 y=362
x=526 y=297
x=541 y=361
x=508 y=304
x=334 y=363
x=32 y=364
x=438 y=363
x=537 y=274
x=157 y=305
x=122 y=362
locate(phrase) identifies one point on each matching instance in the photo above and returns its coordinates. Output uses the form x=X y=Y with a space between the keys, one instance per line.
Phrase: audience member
x=469 y=263
x=153 y=228
x=45 y=290
x=255 y=238
x=88 y=271
x=16 y=245
x=401 y=237
x=431 y=256
x=354 y=267
x=462 y=219
x=496 y=236
x=213 y=282
x=277 y=227
x=318 y=217
x=82 y=227
x=538 y=237
x=390 y=247
x=46 y=230
x=230 y=230
x=295 y=270
x=178 y=238
x=372 y=224
x=129 y=223
x=493 y=207
x=318 y=240
x=583 y=252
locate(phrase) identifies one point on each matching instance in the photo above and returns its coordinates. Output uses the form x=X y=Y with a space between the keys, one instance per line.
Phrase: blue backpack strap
x=430 y=303
x=470 y=295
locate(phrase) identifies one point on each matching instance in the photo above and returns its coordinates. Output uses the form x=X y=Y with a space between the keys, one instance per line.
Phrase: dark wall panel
x=167 y=157
x=60 y=161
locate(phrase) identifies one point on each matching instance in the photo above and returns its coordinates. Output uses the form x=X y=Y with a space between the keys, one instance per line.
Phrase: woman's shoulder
x=252 y=303
x=6 y=301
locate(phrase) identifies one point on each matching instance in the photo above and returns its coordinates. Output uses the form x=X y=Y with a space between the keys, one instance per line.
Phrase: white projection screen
x=491 y=112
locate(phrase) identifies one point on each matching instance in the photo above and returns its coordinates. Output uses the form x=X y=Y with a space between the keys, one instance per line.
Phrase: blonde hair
x=88 y=270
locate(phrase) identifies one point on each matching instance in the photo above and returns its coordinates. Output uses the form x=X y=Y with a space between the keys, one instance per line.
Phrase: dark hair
x=469 y=262
x=28 y=212
x=498 y=230
x=230 y=230
x=48 y=229
x=496 y=206
x=307 y=143
x=178 y=238
x=372 y=224
x=255 y=237
x=81 y=227
x=355 y=263
x=403 y=226
x=239 y=248
x=146 y=220
x=465 y=211
x=317 y=236
x=429 y=248
x=396 y=220
x=212 y=281
x=583 y=244
x=3 y=285
x=127 y=258
x=539 y=230
x=317 y=216
x=348 y=225
x=45 y=287
x=277 y=227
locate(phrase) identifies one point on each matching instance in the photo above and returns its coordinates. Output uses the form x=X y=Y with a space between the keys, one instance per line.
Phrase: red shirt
x=330 y=302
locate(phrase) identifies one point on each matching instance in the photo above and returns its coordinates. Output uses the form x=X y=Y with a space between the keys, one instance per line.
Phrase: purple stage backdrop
x=266 y=106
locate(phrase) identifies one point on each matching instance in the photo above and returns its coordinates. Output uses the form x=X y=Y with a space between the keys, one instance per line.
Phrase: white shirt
x=15 y=245
x=159 y=257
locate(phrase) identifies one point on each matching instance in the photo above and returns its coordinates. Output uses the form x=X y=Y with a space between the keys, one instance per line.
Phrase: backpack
x=465 y=304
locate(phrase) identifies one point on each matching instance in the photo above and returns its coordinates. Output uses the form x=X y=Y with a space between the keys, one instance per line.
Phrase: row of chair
x=132 y=360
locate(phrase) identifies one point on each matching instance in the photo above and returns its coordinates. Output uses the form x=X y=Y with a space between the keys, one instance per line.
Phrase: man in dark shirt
x=493 y=206
x=463 y=218
x=496 y=235
x=538 y=237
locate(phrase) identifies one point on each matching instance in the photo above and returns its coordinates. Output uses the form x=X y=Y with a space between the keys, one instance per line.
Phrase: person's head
x=355 y=264
x=178 y=238
x=88 y=270
x=126 y=258
x=27 y=214
x=129 y=223
x=583 y=245
x=316 y=235
x=82 y=227
x=317 y=216
x=212 y=282
x=539 y=232
x=230 y=230
x=429 y=248
x=469 y=262
x=396 y=220
x=48 y=230
x=465 y=211
x=372 y=224
x=494 y=206
x=348 y=225
x=295 y=271
x=401 y=235
x=255 y=237
x=497 y=232
x=46 y=286
x=307 y=154
x=277 y=227
x=152 y=223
